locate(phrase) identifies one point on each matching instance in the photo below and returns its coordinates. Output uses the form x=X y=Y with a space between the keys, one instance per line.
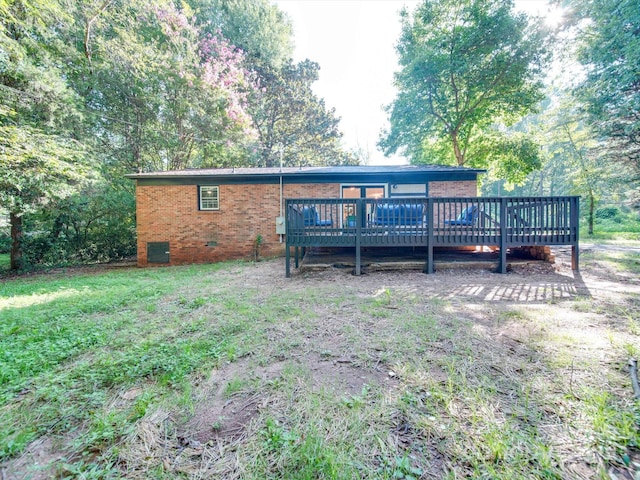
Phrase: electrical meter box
x=280 y=226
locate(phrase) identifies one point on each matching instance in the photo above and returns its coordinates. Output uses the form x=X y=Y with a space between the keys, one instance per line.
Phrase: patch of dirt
x=34 y=463
x=205 y=443
x=223 y=417
x=344 y=377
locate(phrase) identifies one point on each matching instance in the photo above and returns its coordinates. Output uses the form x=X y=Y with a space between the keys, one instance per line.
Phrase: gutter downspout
x=281 y=191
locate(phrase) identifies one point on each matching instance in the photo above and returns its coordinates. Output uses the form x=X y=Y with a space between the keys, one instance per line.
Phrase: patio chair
x=312 y=218
x=412 y=214
x=468 y=216
x=386 y=214
x=398 y=214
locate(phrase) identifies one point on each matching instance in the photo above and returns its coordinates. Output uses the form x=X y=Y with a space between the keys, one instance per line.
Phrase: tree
x=257 y=27
x=35 y=168
x=290 y=120
x=97 y=223
x=167 y=94
x=293 y=122
x=466 y=67
x=610 y=52
x=575 y=145
x=573 y=161
x=39 y=158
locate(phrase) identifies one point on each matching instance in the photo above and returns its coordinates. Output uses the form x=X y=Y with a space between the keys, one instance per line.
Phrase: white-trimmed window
x=209 y=197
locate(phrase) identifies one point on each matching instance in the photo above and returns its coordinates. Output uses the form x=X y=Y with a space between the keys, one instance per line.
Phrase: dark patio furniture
x=398 y=214
x=312 y=218
x=468 y=216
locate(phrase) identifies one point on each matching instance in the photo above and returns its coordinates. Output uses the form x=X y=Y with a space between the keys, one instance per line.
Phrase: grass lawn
x=620 y=227
x=232 y=371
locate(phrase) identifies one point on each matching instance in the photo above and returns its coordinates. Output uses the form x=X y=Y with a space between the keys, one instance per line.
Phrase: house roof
x=313 y=173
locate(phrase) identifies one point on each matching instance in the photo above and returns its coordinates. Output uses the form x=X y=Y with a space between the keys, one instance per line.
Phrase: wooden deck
x=502 y=222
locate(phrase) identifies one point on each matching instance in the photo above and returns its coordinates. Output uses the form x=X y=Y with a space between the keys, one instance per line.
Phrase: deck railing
x=432 y=222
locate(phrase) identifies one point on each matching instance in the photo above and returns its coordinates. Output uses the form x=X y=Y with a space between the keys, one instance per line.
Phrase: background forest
x=92 y=90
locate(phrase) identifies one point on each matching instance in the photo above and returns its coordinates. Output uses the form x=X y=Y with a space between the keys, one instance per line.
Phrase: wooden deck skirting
x=430 y=222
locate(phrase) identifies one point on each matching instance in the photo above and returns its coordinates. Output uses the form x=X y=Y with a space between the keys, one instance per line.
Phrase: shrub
x=5 y=242
x=94 y=226
x=607 y=212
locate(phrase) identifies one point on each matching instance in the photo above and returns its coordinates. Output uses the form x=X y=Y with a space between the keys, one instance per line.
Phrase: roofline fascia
x=255 y=176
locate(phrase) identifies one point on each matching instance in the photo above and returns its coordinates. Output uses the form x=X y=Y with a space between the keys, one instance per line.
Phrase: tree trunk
x=591 y=211
x=16 y=241
x=541 y=183
x=456 y=150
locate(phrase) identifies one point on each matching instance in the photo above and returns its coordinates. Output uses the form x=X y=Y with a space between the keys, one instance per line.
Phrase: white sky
x=354 y=43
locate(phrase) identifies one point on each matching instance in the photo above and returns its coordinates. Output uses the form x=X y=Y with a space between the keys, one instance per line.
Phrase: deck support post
x=502 y=268
x=296 y=255
x=287 y=261
x=575 y=220
x=428 y=268
x=359 y=216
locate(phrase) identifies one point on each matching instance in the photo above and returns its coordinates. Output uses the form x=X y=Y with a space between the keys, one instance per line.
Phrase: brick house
x=209 y=215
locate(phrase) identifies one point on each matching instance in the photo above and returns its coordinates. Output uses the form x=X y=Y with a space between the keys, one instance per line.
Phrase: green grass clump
x=299 y=455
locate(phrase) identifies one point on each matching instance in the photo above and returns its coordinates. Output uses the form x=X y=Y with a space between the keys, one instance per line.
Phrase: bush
x=615 y=223
x=607 y=212
x=5 y=242
x=94 y=226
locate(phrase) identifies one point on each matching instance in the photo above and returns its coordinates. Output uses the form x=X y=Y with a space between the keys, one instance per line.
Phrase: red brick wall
x=169 y=213
x=464 y=188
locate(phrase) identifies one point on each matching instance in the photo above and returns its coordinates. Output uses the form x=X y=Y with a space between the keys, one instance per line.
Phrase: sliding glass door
x=360 y=191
